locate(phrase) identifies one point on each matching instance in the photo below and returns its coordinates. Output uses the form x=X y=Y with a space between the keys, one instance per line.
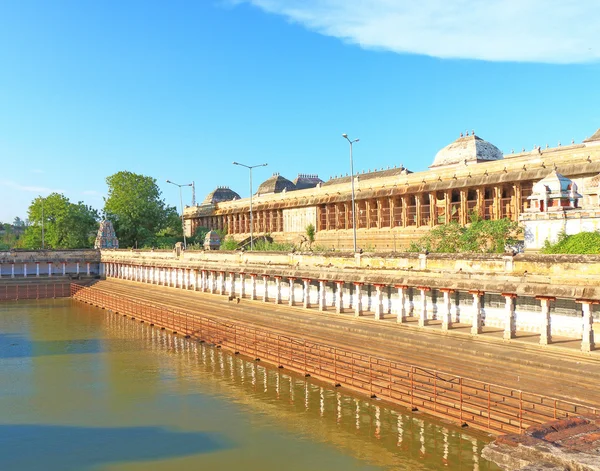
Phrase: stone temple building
x=395 y=206
x=106 y=237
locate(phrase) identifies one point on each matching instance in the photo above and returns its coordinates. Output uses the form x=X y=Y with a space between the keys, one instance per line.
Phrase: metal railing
x=14 y=291
x=478 y=404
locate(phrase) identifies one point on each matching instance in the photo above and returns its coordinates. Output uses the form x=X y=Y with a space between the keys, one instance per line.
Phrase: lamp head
x=356 y=140
x=345 y=136
x=235 y=163
x=169 y=181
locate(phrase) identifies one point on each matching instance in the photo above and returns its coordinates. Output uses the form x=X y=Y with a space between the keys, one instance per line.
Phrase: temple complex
x=395 y=206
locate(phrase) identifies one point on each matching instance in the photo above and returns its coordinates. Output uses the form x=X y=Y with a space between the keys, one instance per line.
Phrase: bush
x=582 y=243
x=229 y=243
x=481 y=236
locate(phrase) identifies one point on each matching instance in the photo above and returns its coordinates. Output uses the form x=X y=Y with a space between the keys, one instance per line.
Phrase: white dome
x=466 y=150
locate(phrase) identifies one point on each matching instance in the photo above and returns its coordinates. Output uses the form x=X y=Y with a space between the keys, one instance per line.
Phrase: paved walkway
x=558 y=370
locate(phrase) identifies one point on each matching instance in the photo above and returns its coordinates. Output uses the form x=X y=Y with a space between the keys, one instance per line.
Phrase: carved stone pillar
x=265 y=288
x=253 y=286
x=423 y=302
x=379 y=301
x=322 y=303
x=476 y=327
x=510 y=326
x=242 y=284
x=446 y=310
x=587 y=338
x=339 y=301
x=277 y=290
x=358 y=299
x=401 y=315
x=306 y=293
x=291 y=294
x=231 y=284
x=546 y=322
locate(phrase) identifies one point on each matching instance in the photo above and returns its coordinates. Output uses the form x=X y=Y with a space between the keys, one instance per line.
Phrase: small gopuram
x=106 y=238
x=555 y=208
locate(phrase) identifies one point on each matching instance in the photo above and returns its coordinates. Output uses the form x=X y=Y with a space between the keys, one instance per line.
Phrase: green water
x=85 y=389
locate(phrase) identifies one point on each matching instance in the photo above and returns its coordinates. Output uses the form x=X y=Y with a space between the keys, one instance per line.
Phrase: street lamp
x=181 y=201
x=250 y=167
x=345 y=136
x=43 y=245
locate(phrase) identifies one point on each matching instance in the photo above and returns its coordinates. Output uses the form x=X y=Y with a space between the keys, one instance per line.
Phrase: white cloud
x=550 y=31
x=32 y=189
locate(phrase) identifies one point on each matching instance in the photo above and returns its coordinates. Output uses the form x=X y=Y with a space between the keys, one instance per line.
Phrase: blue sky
x=178 y=90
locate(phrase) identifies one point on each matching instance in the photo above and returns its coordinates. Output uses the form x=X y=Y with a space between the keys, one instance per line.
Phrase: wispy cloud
x=549 y=31
x=37 y=171
x=32 y=189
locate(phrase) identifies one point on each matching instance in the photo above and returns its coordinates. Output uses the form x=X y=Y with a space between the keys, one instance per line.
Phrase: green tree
x=66 y=225
x=135 y=207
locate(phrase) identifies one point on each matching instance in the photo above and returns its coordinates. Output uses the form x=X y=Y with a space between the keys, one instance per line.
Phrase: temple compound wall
x=396 y=206
x=49 y=263
x=548 y=295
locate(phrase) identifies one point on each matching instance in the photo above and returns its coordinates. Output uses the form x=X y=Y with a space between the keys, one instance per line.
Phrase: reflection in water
x=372 y=432
x=106 y=389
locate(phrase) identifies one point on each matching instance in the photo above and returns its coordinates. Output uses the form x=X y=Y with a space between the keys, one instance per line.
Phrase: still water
x=85 y=389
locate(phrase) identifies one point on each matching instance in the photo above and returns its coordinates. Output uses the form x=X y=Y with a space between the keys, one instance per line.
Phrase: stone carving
x=106 y=238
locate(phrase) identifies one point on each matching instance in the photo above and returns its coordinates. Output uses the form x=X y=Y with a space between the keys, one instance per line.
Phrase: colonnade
x=37 y=269
x=358 y=298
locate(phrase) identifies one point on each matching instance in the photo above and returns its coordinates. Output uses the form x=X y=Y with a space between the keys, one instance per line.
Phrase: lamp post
x=181 y=202
x=345 y=136
x=43 y=245
x=250 y=167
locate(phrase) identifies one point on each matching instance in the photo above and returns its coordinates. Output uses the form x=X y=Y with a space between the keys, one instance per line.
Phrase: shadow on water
x=66 y=448
x=18 y=346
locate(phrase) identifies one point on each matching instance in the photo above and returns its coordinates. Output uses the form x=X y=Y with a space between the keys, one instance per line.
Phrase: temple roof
x=304 y=181
x=466 y=150
x=595 y=137
x=275 y=184
x=555 y=185
x=390 y=172
x=220 y=194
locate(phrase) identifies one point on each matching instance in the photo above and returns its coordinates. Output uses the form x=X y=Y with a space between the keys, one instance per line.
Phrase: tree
x=135 y=207
x=66 y=225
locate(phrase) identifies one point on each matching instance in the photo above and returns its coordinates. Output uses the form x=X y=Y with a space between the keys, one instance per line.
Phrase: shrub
x=582 y=243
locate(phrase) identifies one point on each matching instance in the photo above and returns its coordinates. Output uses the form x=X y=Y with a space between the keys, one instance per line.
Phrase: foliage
x=481 y=236
x=310 y=233
x=10 y=235
x=138 y=213
x=66 y=225
x=582 y=243
x=229 y=243
x=262 y=245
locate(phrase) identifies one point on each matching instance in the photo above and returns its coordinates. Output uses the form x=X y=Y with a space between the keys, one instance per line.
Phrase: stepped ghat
x=550 y=297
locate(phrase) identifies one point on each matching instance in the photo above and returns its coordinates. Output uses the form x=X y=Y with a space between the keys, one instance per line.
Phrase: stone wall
x=31 y=263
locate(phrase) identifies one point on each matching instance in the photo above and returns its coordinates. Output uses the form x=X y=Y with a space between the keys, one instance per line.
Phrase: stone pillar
x=305 y=293
x=49 y=269
x=423 y=302
x=231 y=284
x=322 y=302
x=211 y=283
x=25 y=270
x=203 y=279
x=266 y=288
x=446 y=310
x=64 y=267
x=339 y=302
x=401 y=303
x=253 y=286
x=510 y=326
x=37 y=269
x=277 y=290
x=87 y=268
x=358 y=299
x=587 y=338
x=12 y=269
x=291 y=294
x=546 y=327
x=379 y=301
x=242 y=285
x=222 y=282
x=476 y=327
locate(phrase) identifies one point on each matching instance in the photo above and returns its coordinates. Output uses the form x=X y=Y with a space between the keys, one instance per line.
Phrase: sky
x=179 y=90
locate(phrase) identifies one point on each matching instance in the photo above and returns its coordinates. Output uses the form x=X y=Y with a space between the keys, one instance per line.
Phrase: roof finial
x=461 y=134
x=467 y=133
